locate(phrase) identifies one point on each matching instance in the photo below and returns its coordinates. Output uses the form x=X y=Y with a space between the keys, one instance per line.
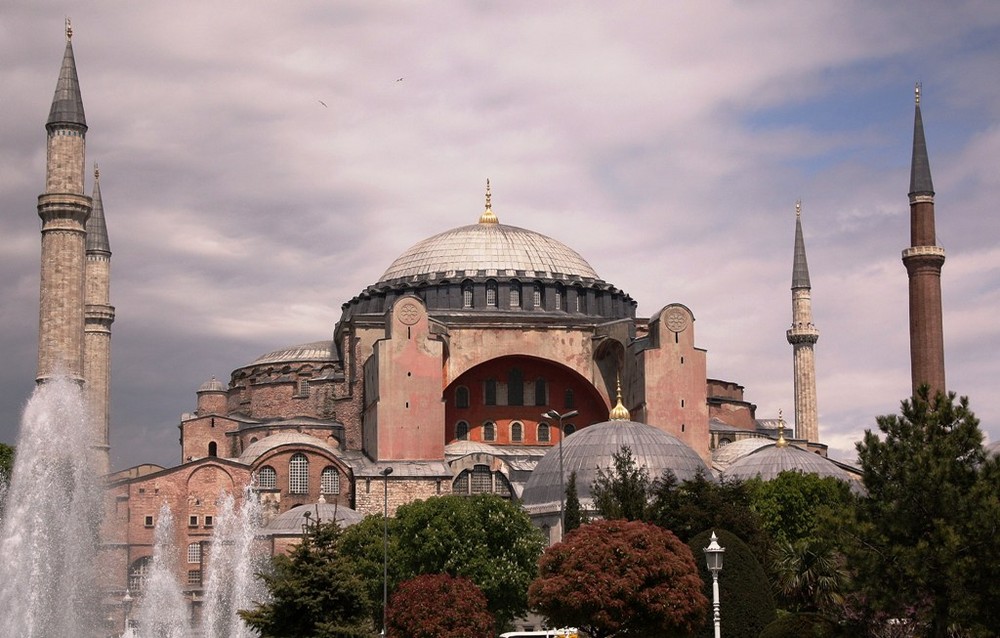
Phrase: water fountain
x=49 y=538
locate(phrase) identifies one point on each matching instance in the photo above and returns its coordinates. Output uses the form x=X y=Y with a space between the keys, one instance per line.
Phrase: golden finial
x=620 y=412
x=798 y=208
x=916 y=93
x=488 y=217
x=97 y=173
x=781 y=432
x=69 y=29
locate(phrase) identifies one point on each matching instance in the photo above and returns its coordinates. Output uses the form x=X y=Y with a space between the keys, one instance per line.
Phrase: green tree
x=746 y=600
x=925 y=533
x=809 y=574
x=438 y=606
x=574 y=514
x=362 y=545
x=622 y=491
x=617 y=577
x=794 y=505
x=6 y=462
x=314 y=592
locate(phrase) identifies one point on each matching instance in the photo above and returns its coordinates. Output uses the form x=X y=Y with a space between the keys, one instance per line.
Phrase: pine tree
x=623 y=490
x=574 y=514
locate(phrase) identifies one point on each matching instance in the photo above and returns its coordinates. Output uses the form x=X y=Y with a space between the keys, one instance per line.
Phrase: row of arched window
x=516 y=298
x=298 y=477
x=515 y=391
x=480 y=480
x=543 y=432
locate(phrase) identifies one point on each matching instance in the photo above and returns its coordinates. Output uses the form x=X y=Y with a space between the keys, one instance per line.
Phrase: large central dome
x=490 y=248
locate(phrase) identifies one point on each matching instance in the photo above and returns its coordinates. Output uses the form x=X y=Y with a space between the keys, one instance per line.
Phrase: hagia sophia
x=459 y=371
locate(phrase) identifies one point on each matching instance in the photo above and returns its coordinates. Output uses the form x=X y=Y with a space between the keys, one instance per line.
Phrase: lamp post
x=713 y=556
x=385 y=544
x=127 y=608
x=555 y=416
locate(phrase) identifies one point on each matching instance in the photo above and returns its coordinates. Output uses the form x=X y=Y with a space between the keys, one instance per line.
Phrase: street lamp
x=127 y=608
x=385 y=544
x=713 y=556
x=555 y=416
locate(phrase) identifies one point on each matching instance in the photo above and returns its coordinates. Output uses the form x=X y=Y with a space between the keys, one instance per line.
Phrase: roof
x=773 y=459
x=593 y=448
x=258 y=448
x=724 y=456
x=800 y=268
x=97 y=228
x=920 y=166
x=212 y=385
x=67 y=103
x=312 y=351
x=292 y=521
x=489 y=249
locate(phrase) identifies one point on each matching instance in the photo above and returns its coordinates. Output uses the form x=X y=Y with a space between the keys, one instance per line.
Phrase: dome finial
x=798 y=208
x=97 y=173
x=488 y=217
x=781 y=431
x=69 y=29
x=916 y=93
x=619 y=412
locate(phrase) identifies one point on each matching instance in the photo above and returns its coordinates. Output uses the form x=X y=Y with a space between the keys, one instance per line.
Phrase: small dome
x=464 y=448
x=492 y=248
x=728 y=454
x=594 y=447
x=771 y=460
x=256 y=449
x=292 y=521
x=313 y=351
x=212 y=385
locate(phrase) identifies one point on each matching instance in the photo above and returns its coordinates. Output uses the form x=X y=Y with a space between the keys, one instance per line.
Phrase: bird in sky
x=399 y=79
x=323 y=103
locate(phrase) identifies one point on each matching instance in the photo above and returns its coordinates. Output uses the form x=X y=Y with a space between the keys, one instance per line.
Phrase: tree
x=622 y=491
x=574 y=513
x=314 y=592
x=794 y=505
x=700 y=503
x=438 y=606
x=485 y=538
x=747 y=603
x=362 y=545
x=617 y=577
x=810 y=575
x=925 y=533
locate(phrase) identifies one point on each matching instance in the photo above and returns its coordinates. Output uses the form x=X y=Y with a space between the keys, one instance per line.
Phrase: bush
x=808 y=625
x=746 y=601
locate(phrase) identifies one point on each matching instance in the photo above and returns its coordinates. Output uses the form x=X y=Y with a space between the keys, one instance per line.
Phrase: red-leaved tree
x=620 y=577
x=438 y=606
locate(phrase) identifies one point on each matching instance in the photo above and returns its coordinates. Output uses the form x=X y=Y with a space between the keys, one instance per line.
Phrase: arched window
x=490 y=392
x=541 y=395
x=537 y=295
x=481 y=481
x=543 y=433
x=515 y=294
x=569 y=399
x=461 y=397
x=467 y=294
x=581 y=300
x=194 y=553
x=461 y=484
x=298 y=474
x=267 y=478
x=569 y=428
x=462 y=431
x=489 y=431
x=560 y=298
x=516 y=431
x=330 y=481
x=138 y=573
x=213 y=448
x=515 y=387
x=491 y=294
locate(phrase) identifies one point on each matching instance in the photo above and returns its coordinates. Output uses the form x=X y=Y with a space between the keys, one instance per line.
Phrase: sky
x=261 y=163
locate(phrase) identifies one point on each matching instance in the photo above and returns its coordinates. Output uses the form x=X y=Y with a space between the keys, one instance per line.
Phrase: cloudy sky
x=262 y=162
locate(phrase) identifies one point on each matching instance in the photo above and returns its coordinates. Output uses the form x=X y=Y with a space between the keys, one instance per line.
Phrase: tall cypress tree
x=573 y=513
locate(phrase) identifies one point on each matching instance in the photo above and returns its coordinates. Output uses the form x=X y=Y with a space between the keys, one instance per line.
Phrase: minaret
x=923 y=261
x=99 y=314
x=803 y=335
x=64 y=210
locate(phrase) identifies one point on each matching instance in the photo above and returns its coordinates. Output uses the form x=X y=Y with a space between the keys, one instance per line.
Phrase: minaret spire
x=803 y=335
x=99 y=314
x=488 y=217
x=923 y=261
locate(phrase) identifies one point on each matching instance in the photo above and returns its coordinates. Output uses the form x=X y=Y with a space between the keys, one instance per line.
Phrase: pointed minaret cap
x=67 y=103
x=800 y=268
x=97 y=229
x=620 y=412
x=781 y=432
x=920 y=167
x=488 y=217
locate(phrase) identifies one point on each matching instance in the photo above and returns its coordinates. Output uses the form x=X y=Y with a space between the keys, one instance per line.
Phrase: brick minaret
x=803 y=335
x=99 y=314
x=923 y=261
x=64 y=210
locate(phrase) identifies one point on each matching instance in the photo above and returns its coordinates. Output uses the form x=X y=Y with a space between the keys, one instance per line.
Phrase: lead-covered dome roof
x=489 y=249
x=771 y=460
x=593 y=448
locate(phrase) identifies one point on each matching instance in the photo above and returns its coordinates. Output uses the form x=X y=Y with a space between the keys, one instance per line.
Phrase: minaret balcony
x=807 y=334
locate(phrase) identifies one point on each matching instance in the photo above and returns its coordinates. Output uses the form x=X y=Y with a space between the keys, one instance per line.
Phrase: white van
x=565 y=632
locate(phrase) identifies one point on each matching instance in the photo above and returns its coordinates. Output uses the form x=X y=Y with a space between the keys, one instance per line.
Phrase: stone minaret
x=64 y=210
x=99 y=314
x=803 y=335
x=923 y=261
